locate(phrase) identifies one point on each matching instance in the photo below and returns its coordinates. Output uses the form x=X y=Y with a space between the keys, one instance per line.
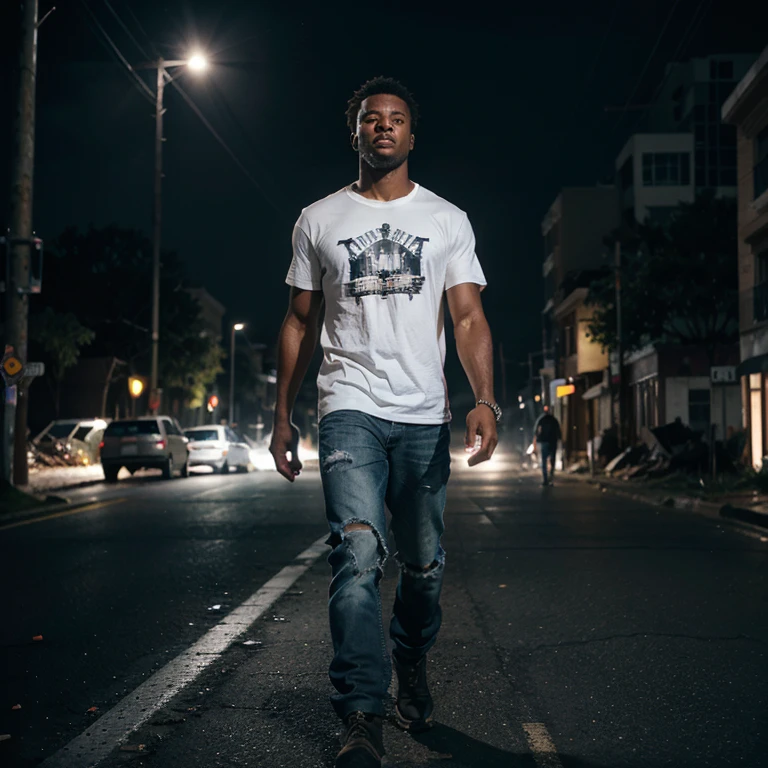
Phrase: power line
x=587 y=80
x=224 y=144
x=246 y=135
x=125 y=29
x=141 y=28
x=647 y=64
x=130 y=71
x=688 y=36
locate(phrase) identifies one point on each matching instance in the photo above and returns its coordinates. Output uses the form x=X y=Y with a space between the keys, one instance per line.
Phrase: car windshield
x=61 y=430
x=202 y=434
x=127 y=428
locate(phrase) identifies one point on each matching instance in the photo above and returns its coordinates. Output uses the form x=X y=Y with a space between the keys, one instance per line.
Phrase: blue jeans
x=366 y=464
x=548 y=455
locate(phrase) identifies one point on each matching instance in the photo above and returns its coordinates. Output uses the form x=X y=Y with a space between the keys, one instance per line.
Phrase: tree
x=107 y=274
x=679 y=282
x=61 y=336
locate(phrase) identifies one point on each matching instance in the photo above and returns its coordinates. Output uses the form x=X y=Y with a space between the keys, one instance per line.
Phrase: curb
x=711 y=509
x=42 y=509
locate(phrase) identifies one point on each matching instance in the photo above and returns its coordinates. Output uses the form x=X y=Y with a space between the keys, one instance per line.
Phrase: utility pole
x=619 y=346
x=20 y=241
x=156 y=236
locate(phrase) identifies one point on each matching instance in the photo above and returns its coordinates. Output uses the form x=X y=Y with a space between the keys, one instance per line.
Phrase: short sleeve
x=463 y=264
x=305 y=272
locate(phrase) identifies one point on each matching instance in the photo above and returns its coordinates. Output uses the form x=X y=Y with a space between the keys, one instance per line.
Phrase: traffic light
x=213 y=403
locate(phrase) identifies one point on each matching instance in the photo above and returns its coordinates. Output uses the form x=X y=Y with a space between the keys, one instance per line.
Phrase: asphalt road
x=580 y=629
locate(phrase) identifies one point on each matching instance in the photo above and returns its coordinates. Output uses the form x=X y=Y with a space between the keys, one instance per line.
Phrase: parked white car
x=217 y=447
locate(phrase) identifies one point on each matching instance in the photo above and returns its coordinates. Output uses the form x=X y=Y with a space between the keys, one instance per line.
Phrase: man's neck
x=383 y=185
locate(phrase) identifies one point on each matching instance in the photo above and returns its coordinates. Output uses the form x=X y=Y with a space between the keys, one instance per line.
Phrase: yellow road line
x=64 y=513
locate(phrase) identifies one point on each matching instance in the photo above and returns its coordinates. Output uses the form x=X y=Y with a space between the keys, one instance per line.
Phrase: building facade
x=574 y=229
x=747 y=109
x=688 y=100
x=654 y=174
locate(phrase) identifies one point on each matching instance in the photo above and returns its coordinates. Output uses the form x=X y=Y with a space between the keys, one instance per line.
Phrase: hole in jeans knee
x=357 y=527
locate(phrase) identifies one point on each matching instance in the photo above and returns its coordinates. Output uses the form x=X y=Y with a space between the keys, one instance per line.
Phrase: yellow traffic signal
x=135 y=386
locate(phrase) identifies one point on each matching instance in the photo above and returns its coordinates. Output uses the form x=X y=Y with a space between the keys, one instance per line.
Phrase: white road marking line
x=542 y=747
x=101 y=738
x=484 y=520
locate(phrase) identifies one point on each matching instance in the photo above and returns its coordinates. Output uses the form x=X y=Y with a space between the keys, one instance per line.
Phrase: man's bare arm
x=296 y=345
x=475 y=348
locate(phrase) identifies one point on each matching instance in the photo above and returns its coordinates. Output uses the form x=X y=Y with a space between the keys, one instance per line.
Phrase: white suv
x=155 y=442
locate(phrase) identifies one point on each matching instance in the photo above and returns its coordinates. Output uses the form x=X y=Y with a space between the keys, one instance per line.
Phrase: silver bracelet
x=493 y=406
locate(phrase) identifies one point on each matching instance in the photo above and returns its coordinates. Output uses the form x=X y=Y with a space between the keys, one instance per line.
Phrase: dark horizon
x=513 y=109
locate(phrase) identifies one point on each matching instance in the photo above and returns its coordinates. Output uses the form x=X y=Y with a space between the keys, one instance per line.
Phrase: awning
x=597 y=391
x=758 y=364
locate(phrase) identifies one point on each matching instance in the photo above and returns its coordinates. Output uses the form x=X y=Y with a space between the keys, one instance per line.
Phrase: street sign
x=12 y=366
x=565 y=389
x=723 y=374
x=33 y=370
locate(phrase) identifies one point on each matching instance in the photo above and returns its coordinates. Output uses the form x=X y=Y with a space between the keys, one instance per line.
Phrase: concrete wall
x=676 y=402
x=644 y=197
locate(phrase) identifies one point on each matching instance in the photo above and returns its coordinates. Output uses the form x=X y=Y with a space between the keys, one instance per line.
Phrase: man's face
x=384 y=131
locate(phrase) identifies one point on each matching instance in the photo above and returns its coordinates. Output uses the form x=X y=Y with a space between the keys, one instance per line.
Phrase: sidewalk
x=742 y=507
x=43 y=481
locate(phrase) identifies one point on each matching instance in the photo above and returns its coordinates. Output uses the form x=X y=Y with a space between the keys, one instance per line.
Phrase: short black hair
x=375 y=86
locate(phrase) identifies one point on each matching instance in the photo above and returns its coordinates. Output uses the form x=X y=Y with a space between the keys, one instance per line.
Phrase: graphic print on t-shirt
x=383 y=262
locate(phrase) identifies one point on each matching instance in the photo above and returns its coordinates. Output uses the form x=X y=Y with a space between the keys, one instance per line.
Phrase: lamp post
x=197 y=63
x=236 y=327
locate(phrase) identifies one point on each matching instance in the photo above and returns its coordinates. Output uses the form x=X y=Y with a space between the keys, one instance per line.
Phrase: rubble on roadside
x=666 y=449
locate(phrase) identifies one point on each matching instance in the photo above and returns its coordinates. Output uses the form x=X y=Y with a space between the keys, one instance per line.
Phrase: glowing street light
x=197 y=62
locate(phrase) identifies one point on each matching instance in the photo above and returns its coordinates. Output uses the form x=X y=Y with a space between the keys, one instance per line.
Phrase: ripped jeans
x=367 y=463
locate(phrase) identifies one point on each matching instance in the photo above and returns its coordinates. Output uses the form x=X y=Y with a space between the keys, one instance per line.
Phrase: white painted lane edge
x=541 y=745
x=100 y=739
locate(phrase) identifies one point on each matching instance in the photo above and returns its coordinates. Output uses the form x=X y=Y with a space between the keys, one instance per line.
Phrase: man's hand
x=481 y=421
x=285 y=439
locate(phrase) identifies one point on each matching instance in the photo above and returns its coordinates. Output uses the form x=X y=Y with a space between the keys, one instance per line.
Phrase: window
x=61 y=430
x=128 y=428
x=666 y=169
x=725 y=70
x=82 y=433
x=720 y=70
x=170 y=427
x=698 y=409
x=727 y=177
x=199 y=435
x=760 y=169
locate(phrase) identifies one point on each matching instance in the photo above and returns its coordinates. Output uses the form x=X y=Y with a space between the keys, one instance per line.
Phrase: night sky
x=513 y=107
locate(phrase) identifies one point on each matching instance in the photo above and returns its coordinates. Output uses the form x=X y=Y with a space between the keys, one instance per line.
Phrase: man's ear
x=353 y=141
x=413 y=140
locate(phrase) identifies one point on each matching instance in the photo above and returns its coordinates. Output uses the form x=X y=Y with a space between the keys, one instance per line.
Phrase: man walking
x=547 y=434
x=378 y=257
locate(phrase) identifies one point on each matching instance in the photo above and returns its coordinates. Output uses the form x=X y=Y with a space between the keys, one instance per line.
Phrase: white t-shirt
x=383 y=268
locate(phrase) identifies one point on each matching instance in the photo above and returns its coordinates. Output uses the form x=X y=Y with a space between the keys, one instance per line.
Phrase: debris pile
x=670 y=448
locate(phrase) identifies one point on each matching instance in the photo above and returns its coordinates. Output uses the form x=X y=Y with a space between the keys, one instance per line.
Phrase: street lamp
x=197 y=62
x=236 y=327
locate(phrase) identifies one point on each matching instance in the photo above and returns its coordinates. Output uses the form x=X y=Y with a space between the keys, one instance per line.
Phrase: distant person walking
x=546 y=435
